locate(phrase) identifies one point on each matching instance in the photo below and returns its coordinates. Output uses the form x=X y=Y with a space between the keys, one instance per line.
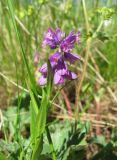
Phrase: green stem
x=51 y=144
x=57 y=93
x=98 y=29
x=85 y=15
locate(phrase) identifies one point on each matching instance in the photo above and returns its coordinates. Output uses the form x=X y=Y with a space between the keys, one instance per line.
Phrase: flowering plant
x=58 y=65
x=58 y=61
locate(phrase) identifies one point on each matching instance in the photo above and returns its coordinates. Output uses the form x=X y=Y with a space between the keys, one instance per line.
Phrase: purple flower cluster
x=58 y=61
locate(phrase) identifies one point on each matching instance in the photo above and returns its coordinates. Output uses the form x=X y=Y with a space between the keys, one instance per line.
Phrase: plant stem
x=51 y=144
x=86 y=60
x=88 y=45
x=98 y=29
x=85 y=15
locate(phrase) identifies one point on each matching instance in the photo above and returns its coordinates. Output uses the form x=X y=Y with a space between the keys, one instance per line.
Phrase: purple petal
x=70 y=75
x=55 y=57
x=71 y=38
x=58 y=79
x=43 y=68
x=50 y=34
x=73 y=75
x=49 y=39
x=50 y=43
x=65 y=47
x=59 y=34
x=71 y=57
x=61 y=72
x=58 y=64
x=57 y=61
x=68 y=43
x=42 y=81
x=52 y=38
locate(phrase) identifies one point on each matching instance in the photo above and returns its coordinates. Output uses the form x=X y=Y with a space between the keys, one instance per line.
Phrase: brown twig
x=93 y=121
x=68 y=105
x=97 y=101
x=78 y=88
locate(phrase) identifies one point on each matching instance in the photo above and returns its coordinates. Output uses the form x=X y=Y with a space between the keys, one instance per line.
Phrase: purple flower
x=71 y=57
x=66 y=56
x=55 y=58
x=43 y=69
x=59 y=68
x=68 y=43
x=53 y=38
x=42 y=80
x=60 y=76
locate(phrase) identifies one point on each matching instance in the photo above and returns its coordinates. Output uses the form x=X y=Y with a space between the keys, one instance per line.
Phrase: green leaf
x=100 y=140
x=2 y=157
x=10 y=147
x=40 y=126
x=33 y=122
x=34 y=103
